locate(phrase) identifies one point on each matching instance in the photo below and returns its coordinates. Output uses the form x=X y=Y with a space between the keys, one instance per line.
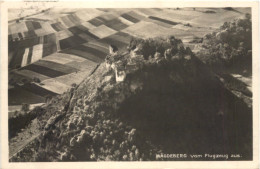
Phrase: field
x=44 y=70
x=57 y=45
x=18 y=95
x=54 y=86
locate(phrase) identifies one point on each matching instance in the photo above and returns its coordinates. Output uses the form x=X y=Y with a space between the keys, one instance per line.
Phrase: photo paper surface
x=97 y=85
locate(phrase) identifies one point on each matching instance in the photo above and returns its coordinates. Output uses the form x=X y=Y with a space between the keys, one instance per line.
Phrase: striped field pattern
x=62 y=46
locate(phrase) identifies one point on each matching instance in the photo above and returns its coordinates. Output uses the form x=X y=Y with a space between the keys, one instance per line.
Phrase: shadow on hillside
x=196 y=116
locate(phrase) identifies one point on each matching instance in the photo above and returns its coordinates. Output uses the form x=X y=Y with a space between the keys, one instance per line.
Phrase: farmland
x=62 y=46
x=18 y=95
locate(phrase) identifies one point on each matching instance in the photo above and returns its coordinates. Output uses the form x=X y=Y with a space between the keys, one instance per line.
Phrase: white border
x=123 y=4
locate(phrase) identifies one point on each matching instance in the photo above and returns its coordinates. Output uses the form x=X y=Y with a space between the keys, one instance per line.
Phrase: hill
x=154 y=97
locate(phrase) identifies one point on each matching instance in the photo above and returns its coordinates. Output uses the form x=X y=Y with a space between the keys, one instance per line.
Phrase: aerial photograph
x=130 y=84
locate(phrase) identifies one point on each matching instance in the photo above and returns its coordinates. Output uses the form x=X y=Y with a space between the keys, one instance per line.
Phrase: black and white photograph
x=130 y=84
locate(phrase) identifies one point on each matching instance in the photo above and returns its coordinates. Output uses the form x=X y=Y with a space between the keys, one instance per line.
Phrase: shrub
x=48 y=98
x=74 y=85
x=209 y=12
x=36 y=80
x=17 y=66
x=196 y=40
x=25 y=107
x=11 y=81
x=148 y=47
x=188 y=24
x=229 y=8
x=24 y=81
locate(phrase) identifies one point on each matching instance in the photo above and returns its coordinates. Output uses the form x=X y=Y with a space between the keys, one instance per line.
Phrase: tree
x=17 y=66
x=25 y=107
x=48 y=98
x=11 y=81
x=74 y=85
x=24 y=81
x=36 y=80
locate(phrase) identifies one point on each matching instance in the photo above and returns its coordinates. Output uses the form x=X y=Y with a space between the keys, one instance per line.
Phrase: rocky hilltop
x=155 y=97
